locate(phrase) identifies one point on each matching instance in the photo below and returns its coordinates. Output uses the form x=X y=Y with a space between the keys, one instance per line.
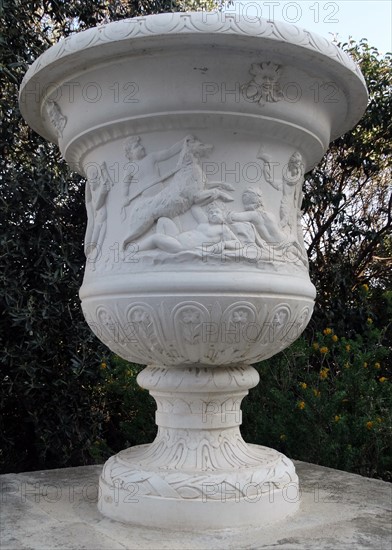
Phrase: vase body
x=194 y=133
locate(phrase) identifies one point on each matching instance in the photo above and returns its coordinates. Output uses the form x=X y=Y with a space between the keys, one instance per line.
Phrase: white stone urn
x=194 y=132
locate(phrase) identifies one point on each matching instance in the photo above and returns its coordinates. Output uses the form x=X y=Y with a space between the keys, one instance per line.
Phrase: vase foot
x=198 y=472
x=182 y=500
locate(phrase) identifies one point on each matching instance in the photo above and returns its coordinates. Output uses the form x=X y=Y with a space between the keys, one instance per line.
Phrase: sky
x=371 y=19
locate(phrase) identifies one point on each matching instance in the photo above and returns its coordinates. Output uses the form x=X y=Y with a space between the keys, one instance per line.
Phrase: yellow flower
x=369 y=425
x=383 y=379
x=103 y=365
x=365 y=365
x=303 y=385
x=369 y=321
x=327 y=331
x=315 y=346
x=337 y=417
x=365 y=287
x=379 y=419
x=324 y=373
x=335 y=338
x=377 y=366
x=324 y=350
x=316 y=392
x=348 y=347
x=283 y=437
x=301 y=405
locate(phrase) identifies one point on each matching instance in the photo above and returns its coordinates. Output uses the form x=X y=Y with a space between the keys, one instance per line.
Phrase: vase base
x=180 y=499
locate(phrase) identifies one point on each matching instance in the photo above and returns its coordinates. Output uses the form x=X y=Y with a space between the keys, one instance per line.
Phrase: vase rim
x=133 y=36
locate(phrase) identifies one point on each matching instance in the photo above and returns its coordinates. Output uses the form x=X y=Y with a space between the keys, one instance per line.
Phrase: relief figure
x=255 y=225
x=292 y=193
x=142 y=173
x=56 y=117
x=97 y=188
x=211 y=229
x=184 y=186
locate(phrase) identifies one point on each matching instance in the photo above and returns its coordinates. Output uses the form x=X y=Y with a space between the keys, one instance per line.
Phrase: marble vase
x=194 y=132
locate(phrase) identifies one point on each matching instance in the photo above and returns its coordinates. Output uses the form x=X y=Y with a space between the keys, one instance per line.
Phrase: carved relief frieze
x=152 y=199
x=153 y=205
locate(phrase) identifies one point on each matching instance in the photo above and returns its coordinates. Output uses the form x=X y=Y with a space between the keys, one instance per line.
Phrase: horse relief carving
x=152 y=197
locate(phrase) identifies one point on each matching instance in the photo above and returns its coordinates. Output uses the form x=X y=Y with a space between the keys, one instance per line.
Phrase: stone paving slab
x=56 y=509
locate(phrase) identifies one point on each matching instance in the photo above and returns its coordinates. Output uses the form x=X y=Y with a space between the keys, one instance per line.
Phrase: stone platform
x=57 y=509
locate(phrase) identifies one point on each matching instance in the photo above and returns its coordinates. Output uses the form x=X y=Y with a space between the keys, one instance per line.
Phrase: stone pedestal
x=198 y=460
x=194 y=132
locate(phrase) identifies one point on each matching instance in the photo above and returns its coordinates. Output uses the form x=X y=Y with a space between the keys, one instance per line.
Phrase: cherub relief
x=211 y=230
x=255 y=224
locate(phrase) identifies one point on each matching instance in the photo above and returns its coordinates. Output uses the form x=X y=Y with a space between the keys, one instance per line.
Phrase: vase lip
x=98 y=45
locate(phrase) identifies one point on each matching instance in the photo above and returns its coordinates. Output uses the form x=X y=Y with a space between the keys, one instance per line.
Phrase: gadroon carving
x=189 y=333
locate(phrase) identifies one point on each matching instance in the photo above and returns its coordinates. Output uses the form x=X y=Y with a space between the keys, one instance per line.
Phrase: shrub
x=327 y=400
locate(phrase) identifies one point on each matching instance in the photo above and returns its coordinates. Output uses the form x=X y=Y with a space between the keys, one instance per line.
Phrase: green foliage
x=128 y=411
x=327 y=401
x=348 y=206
